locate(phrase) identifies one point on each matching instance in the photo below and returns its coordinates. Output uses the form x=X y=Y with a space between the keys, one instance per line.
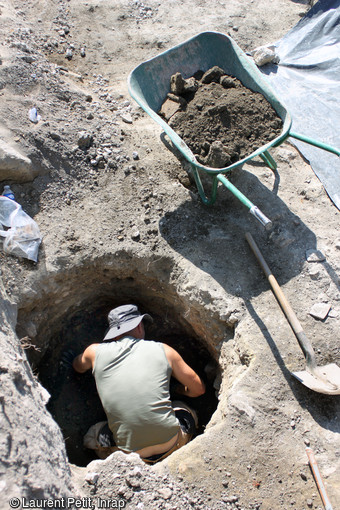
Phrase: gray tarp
x=307 y=80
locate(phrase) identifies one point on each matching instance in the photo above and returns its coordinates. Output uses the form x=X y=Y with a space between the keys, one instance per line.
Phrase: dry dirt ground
x=122 y=222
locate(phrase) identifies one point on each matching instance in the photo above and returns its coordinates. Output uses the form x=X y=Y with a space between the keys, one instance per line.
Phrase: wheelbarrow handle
x=316 y=143
x=266 y=222
x=253 y=209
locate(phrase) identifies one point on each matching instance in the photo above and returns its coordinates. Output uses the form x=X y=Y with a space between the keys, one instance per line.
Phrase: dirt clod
x=221 y=121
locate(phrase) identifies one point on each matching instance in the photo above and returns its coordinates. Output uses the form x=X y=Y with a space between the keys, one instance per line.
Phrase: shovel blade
x=325 y=379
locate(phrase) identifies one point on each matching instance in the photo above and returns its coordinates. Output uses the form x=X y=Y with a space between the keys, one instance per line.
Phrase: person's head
x=124 y=320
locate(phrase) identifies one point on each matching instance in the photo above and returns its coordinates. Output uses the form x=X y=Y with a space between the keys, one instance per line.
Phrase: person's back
x=132 y=377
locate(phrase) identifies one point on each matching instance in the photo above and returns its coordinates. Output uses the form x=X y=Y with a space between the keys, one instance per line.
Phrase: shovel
x=325 y=379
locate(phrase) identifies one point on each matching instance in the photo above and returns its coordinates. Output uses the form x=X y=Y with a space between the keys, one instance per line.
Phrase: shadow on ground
x=213 y=239
x=325 y=409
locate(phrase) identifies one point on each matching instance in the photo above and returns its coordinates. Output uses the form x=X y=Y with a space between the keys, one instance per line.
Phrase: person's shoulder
x=169 y=349
x=91 y=349
x=170 y=353
x=93 y=346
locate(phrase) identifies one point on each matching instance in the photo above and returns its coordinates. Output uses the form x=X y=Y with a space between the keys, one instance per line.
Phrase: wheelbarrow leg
x=269 y=160
x=253 y=209
x=204 y=198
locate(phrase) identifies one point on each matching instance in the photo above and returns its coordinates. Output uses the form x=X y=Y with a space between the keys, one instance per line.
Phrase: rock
x=137 y=471
x=227 y=82
x=92 y=478
x=69 y=54
x=55 y=136
x=230 y=499
x=320 y=310
x=303 y=476
x=112 y=164
x=165 y=493
x=127 y=118
x=45 y=395
x=190 y=85
x=177 y=84
x=135 y=156
x=309 y=503
x=132 y=481
x=28 y=58
x=177 y=99
x=213 y=74
x=314 y=272
x=121 y=491
x=169 y=108
x=135 y=234
x=84 y=140
x=315 y=256
x=217 y=157
x=264 y=55
x=14 y=165
x=82 y=52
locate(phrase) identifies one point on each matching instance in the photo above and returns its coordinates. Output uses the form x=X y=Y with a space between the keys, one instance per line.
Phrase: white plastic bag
x=22 y=235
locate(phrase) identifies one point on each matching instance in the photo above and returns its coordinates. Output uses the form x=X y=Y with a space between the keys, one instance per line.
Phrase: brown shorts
x=99 y=437
x=187 y=418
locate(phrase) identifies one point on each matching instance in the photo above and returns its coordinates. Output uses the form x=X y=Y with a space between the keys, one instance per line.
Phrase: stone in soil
x=222 y=121
x=315 y=256
x=320 y=310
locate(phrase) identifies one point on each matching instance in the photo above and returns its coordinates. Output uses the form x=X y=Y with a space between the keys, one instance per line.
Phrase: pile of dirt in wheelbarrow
x=220 y=119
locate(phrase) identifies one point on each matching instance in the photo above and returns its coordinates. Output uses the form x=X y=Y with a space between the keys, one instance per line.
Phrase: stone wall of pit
x=33 y=455
x=32 y=450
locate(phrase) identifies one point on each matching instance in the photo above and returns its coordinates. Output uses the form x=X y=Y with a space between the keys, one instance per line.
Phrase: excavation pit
x=74 y=402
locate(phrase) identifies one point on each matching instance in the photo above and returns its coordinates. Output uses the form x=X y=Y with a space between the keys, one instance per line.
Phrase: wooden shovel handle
x=304 y=343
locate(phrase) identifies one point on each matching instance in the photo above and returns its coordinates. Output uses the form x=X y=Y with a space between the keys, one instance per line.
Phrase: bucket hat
x=123 y=319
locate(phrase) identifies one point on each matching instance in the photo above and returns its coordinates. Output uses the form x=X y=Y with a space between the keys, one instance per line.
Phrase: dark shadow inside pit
x=74 y=402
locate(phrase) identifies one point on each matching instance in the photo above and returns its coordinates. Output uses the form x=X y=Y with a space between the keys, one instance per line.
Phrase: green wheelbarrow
x=149 y=83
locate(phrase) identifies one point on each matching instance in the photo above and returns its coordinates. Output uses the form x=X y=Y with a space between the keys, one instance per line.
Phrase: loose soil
x=227 y=112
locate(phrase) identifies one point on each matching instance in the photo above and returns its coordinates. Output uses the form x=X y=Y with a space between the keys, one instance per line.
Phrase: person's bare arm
x=85 y=361
x=193 y=386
